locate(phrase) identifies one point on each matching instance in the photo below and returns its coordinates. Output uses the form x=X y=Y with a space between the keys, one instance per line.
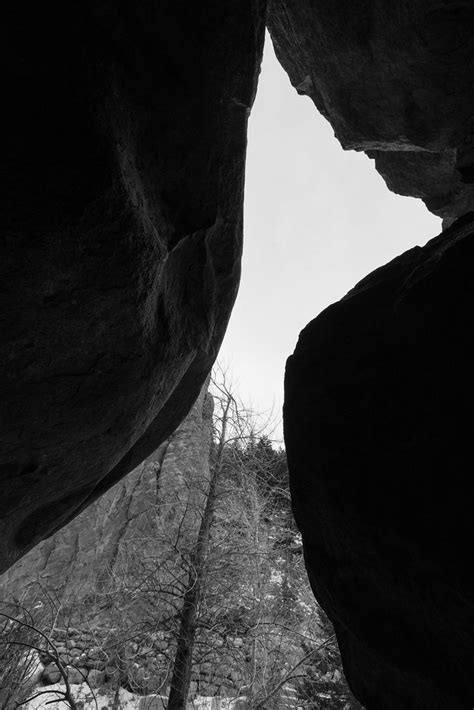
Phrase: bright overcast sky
x=317 y=220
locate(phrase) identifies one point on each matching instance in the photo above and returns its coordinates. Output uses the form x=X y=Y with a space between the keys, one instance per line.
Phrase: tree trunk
x=183 y=661
x=181 y=678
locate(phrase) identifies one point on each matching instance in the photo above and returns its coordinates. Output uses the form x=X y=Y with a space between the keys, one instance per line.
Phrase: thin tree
x=183 y=662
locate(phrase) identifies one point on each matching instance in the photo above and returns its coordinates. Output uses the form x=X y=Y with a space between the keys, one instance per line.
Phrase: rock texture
x=71 y=562
x=379 y=429
x=394 y=79
x=121 y=241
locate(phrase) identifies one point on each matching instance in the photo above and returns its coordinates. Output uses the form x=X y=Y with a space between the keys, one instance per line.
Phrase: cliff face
x=73 y=560
x=121 y=237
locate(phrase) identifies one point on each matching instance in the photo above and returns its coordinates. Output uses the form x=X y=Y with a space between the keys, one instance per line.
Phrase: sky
x=317 y=219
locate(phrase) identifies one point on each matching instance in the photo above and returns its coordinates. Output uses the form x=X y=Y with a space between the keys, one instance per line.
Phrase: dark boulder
x=121 y=236
x=379 y=427
x=394 y=79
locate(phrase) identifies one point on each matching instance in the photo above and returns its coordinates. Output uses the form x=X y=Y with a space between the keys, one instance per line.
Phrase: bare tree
x=214 y=579
x=227 y=418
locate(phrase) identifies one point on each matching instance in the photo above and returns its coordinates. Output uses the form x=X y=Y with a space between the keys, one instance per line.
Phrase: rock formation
x=394 y=79
x=379 y=392
x=122 y=239
x=378 y=425
x=70 y=563
x=121 y=242
x=90 y=565
x=76 y=566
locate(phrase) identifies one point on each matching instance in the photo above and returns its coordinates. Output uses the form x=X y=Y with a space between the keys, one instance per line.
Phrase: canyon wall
x=71 y=563
x=68 y=579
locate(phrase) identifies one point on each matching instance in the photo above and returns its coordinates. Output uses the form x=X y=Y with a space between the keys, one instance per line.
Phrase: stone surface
x=121 y=237
x=379 y=428
x=394 y=79
x=95 y=678
x=75 y=559
x=76 y=675
x=87 y=562
x=51 y=674
x=239 y=704
x=153 y=702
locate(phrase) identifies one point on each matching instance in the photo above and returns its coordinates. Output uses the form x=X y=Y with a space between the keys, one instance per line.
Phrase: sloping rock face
x=121 y=242
x=73 y=561
x=379 y=431
x=394 y=79
x=86 y=562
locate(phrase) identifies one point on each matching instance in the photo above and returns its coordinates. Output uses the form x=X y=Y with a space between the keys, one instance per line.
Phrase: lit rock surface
x=379 y=432
x=394 y=79
x=72 y=561
x=121 y=237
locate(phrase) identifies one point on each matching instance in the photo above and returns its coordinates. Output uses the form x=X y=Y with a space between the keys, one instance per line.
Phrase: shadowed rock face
x=121 y=237
x=393 y=79
x=380 y=391
x=379 y=433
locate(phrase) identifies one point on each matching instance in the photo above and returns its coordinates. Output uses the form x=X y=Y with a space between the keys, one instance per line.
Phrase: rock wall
x=378 y=426
x=73 y=560
x=121 y=237
x=74 y=564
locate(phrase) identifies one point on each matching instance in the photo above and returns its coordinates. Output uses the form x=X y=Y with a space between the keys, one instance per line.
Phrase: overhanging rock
x=121 y=237
x=393 y=79
x=379 y=401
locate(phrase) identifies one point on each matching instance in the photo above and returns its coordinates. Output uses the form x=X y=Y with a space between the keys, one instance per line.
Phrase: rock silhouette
x=393 y=80
x=122 y=225
x=378 y=426
x=122 y=233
